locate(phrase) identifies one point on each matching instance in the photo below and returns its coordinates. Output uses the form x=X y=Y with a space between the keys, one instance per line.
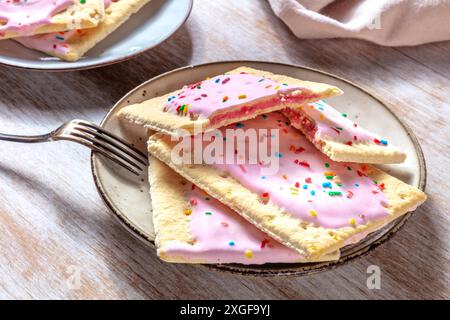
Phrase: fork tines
x=109 y=145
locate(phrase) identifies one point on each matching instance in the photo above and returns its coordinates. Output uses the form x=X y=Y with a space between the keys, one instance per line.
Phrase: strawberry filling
x=251 y=111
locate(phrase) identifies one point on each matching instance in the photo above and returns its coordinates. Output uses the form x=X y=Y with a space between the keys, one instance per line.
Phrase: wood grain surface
x=55 y=229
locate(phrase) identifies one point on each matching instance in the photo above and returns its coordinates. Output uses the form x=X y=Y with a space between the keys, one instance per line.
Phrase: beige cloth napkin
x=386 y=22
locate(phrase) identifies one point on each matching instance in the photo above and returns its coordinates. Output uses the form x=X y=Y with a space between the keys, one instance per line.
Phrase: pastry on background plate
x=192 y=227
x=237 y=95
x=73 y=44
x=20 y=18
x=340 y=138
x=311 y=203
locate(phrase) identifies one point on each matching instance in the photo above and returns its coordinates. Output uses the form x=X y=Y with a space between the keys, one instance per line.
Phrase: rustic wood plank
x=52 y=219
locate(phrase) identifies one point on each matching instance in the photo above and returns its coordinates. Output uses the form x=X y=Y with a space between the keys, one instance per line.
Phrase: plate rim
x=105 y=63
x=302 y=269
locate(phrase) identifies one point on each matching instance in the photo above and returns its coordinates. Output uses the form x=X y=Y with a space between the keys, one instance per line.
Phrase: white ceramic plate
x=153 y=24
x=128 y=197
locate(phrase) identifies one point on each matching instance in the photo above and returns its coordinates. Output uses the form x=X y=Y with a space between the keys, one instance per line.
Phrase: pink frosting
x=54 y=42
x=50 y=42
x=323 y=122
x=24 y=17
x=302 y=185
x=308 y=184
x=222 y=236
x=226 y=91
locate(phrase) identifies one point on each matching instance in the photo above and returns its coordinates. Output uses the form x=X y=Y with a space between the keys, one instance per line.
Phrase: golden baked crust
x=359 y=152
x=79 y=43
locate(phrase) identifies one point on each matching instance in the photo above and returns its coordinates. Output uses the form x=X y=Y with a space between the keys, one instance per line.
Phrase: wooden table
x=55 y=229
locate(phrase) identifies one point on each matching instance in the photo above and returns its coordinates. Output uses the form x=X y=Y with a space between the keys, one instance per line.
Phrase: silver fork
x=95 y=138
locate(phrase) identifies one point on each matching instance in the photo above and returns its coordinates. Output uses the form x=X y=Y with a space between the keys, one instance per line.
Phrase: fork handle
x=26 y=139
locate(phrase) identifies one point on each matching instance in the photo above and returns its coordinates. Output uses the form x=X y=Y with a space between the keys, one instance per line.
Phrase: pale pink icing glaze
x=222 y=236
x=24 y=17
x=226 y=91
x=323 y=122
x=301 y=184
x=56 y=42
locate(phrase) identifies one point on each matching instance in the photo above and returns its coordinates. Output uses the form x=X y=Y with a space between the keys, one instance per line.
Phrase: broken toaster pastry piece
x=237 y=95
x=340 y=138
x=71 y=45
